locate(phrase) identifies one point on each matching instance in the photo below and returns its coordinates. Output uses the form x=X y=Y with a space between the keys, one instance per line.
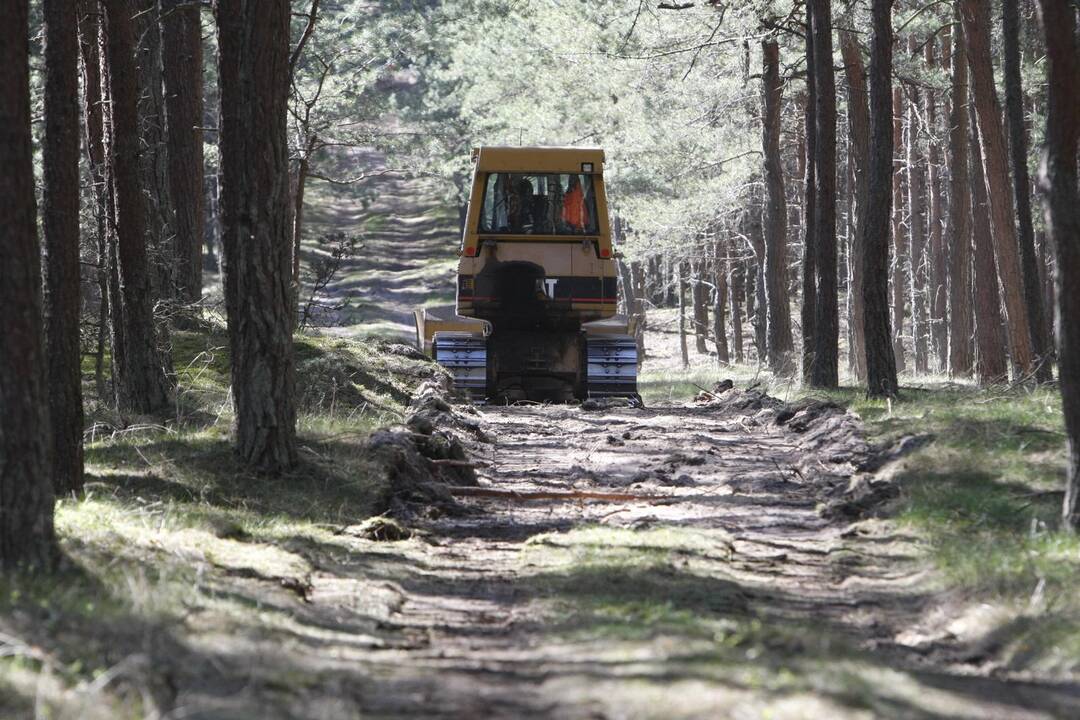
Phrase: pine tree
x=60 y=228
x=880 y=361
x=26 y=494
x=253 y=41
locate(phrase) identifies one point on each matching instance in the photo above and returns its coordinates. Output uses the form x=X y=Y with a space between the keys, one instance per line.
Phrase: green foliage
x=986 y=498
x=172 y=529
x=664 y=93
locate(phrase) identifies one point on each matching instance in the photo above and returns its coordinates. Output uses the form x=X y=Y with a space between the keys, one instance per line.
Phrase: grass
x=660 y=606
x=984 y=497
x=171 y=527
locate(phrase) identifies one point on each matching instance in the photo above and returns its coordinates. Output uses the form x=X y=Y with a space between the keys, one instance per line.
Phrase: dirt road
x=733 y=596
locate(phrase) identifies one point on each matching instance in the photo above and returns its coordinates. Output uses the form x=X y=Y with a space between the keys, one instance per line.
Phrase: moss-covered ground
x=170 y=520
x=984 y=496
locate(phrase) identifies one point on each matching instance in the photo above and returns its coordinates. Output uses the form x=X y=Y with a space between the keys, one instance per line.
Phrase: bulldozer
x=535 y=316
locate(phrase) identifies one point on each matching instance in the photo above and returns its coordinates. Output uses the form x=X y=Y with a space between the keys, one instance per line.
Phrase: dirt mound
x=328 y=384
x=428 y=454
x=751 y=402
x=852 y=475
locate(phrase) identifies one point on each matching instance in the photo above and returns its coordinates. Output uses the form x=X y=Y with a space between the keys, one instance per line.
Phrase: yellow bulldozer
x=535 y=317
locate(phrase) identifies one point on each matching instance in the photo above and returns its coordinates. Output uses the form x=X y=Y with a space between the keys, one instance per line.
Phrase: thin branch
x=633 y=26
x=693 y=60
x=555 y=495
x=308 y=30
x=919 y=12
x=352 y=180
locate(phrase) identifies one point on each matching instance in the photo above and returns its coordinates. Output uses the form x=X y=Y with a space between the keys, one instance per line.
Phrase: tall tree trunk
x=976 y=21
x=656 y=281
x=253 y=38
x=626 y=283
x=701 y=308
x=809 y=276
x=937 y=278
x=93 y=124
x=720 y=293
x=859 y=123
x=738 y=279
x=916 y=176
x=756 y=304
x=154 y=157
x=60 y=227
x=961 y=321
x=990 y=340
x=778 y=340
x=1061 y=194
x=825 y=370
x=1018 y=149
x=137 y=362
x=880 y=361
x=637 y=275
x=900 y=250
x=26 y=494
x=181 y=29
x=299 y=187
x=685 y=355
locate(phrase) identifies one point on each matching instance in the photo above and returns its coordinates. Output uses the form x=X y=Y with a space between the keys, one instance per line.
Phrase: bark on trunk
x=701 y=308
x=90 y=67
x=60 y=227
x=825 y=370
x=738 y=279
x=809 y=274
x=859 y=124
x=181 y=29
x=138 y=368
x=1018 y=149
x=684 y=354
x=880 y=361
x=899 y=233
x=938 y=281
x=720 y=293
x=26 y=494
x=153 y=157
x=1061 y=194
x=778 y=339
x=299 y=188
x=656 y=281
x=916 y=177
x=253 y=38
x=976 y=21
x=961 y=320
x=756 y=305
x=989 y=324
x=637 y=275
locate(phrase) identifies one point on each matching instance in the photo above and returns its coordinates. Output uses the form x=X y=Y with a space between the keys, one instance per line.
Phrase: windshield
x=523 y=204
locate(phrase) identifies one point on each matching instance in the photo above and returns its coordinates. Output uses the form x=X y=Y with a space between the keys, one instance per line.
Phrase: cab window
x=538 y=204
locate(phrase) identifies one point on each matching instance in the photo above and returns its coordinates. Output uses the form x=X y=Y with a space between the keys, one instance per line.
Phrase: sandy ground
x=727 y=590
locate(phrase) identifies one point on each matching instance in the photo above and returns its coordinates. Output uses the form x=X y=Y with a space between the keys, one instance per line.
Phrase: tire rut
x=804 y=612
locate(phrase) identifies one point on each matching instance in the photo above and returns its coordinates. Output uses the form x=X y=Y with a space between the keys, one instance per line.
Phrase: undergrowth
x=170 y=523
x=984 y=496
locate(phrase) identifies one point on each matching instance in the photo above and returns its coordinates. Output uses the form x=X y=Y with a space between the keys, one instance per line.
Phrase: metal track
x=612 y=366
x=465 y=356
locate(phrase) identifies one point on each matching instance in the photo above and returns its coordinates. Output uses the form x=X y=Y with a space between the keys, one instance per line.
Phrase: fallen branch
x=459 y=463
x=515 y=495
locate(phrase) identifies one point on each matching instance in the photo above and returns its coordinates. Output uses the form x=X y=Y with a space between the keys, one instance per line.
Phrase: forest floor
x=759 y=554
